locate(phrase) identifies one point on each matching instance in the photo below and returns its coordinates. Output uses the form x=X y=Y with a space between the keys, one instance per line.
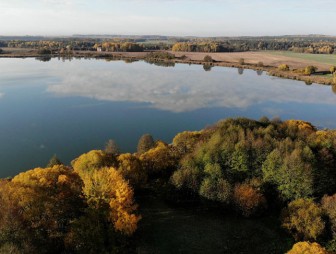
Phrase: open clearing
x=269 y=58
x=321 y=58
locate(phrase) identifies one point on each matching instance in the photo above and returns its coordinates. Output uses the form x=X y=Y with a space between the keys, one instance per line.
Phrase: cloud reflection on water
x=182 y=88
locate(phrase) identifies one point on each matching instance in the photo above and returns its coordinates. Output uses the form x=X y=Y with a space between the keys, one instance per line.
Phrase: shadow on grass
x=168 y=229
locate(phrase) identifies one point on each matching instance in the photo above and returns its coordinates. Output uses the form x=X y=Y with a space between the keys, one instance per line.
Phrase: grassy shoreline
x=134 y=56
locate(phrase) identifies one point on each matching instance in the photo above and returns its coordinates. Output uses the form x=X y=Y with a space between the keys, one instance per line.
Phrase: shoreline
x=135 y=56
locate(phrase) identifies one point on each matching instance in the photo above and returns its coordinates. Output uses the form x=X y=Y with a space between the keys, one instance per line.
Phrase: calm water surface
x=70 y=107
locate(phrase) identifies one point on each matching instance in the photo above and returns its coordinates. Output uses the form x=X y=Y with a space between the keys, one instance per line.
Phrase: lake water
x=70 y=107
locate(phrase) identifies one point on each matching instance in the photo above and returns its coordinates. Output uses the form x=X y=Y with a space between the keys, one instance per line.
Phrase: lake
x=70 y=107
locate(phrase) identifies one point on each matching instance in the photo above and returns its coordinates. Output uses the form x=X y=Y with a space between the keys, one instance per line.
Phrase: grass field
x=166 y=229
x=321 y=58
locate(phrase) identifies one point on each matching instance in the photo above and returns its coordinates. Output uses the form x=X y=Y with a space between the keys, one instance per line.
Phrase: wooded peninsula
x=250 y=168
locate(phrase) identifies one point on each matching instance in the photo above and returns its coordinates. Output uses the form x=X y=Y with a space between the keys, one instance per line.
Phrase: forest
x=252 y=168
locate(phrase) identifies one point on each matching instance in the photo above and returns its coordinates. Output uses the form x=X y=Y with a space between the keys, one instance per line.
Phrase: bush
x=332 y=68
x=160 y=55
x=44 y=51
x=208 y=59
x=241 y=61
x=283 y=67
x=310 y=70
x=260 y=64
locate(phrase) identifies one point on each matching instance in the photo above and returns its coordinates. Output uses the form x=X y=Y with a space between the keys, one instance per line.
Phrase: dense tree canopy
x=242 y=165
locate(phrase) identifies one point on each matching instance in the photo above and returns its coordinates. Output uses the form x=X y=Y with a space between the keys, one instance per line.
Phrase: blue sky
x=167 y=17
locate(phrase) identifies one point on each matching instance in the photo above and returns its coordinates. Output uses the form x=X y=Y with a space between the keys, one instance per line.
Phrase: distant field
x=321 y=58
x=158 y=42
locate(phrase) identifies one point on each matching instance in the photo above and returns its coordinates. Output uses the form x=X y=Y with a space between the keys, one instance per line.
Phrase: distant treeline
x=304 y=44
x=253 y=45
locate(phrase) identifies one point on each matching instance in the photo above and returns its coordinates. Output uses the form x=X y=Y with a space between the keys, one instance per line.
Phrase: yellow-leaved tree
x=303 y=218
x=105 y=189
x=37 y=207
x=91 y=160
x=307 y=248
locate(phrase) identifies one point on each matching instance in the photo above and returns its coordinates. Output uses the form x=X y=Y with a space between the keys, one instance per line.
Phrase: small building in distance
x=99 y=49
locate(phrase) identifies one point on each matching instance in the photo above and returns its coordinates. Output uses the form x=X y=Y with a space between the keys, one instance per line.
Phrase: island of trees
x=252 y=168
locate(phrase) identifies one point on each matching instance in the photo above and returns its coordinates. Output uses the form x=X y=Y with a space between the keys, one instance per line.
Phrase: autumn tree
x=90 y=161
x=37 y=207
x=130 y=167
x=106 y=190
x=54 y=161
x=332 y=69
x=145 y=143
x=111 y=147
x=248 y=199
x=160 y=160
x=307 y=248
x=186 y=141
x=329 y=207
x=303 y=219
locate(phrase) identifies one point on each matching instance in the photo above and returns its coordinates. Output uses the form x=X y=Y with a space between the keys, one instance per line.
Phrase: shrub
x=283 y=67
x=310 y=70
x=332 y=68
x=208 y=59
x=260 y=64
x=241 y=61
x=160 y=55
x=44 y=51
